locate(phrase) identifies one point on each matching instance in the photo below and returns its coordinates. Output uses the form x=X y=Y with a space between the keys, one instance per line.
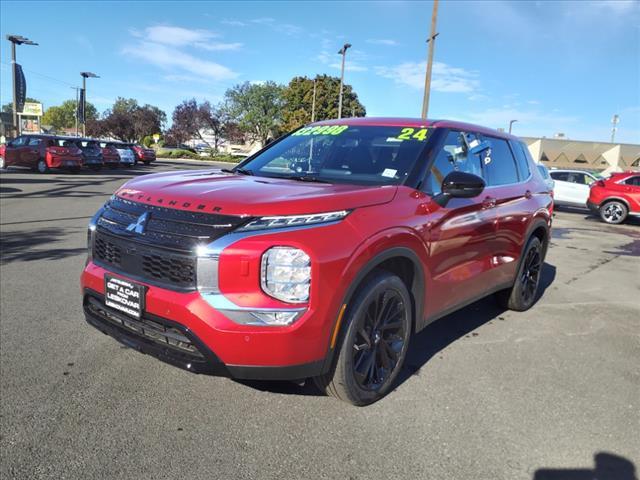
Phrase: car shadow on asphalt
x=427 y=343
x=607 y=466
x=22 y=246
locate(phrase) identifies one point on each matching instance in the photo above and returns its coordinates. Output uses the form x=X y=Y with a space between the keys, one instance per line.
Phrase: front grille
x=158 y=333
x=166 y=268
x=163 y=253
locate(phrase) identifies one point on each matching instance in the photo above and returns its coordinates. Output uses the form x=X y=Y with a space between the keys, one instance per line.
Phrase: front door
x=459 y=236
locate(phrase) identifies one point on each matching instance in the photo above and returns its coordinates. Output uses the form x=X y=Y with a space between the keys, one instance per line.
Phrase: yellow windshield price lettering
x=322 y=130
x=411 y=133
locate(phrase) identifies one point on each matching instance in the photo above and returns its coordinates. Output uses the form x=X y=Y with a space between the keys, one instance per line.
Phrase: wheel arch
x=401 y=261
x=615 y=199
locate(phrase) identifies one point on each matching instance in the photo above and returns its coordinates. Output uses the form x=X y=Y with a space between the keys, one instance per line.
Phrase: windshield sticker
x=413 y=134
x=389 y=172
x=321 y=130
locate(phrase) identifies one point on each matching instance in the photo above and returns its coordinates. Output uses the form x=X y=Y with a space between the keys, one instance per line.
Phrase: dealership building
x=601 y=156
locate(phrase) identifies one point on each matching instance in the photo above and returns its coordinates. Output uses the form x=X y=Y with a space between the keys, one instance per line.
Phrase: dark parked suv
x=91 y=152
x=322 y=254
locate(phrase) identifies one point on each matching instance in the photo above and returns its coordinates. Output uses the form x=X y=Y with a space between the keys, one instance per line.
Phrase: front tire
x=613 y=212
x=372 y=349
x=42 y=166
x=524 y=292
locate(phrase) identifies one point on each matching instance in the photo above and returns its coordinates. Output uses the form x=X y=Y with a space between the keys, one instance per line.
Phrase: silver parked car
x=127 y=157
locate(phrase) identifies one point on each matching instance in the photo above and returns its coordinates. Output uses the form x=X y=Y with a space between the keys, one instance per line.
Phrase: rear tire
x=613 y=212
x=373 y=344
x=42 y=167
x=525 y=290
x=2 y=167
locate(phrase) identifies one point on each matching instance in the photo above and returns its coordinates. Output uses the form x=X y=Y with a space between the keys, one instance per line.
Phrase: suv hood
x=217 y=192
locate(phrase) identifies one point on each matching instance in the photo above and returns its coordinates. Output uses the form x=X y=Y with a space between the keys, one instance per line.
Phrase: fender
x=619 y=199
x=369 y=255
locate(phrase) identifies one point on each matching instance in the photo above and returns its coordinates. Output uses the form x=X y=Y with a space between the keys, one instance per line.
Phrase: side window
x=19 y=142
x=499 y=166
x=635 y=181
x=34 y=141
x=575 y=177
x=562 y=176
x=588 y=179
x=452 y=157
x=518 y=149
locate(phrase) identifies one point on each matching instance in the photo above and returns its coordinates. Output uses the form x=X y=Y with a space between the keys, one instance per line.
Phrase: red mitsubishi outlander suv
x=320 y=255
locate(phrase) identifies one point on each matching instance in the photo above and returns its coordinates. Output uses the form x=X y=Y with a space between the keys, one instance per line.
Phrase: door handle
x=489 y=202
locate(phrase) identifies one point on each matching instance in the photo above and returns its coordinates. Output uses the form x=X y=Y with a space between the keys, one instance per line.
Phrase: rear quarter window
x=499 y=167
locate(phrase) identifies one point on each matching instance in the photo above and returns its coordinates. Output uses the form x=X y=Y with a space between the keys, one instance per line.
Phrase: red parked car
x=144 y=155
x=616 y=197
x=110 y=155
x=41 y=153
x=322 y=254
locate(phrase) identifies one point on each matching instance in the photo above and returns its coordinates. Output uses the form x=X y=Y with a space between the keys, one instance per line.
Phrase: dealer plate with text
x=124 y=296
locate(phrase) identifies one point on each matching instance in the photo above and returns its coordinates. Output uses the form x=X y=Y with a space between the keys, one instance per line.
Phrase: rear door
x=460 y=234
x=632 y=190
x=30 y=153
x=514 y=206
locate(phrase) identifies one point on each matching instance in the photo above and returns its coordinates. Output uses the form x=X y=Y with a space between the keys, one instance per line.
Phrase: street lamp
x=511 y=125
x=343 y=52
x=84 y=76
x=16 y=40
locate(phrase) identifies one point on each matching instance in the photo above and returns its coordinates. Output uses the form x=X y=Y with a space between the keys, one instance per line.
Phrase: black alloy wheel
x=372 y=342
x=379 y=340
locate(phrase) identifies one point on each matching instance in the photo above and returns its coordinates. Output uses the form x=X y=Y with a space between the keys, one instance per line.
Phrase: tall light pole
x=511 y=125
x=16 y=40
x=432 y=43
x=343 y=52
x=84 y=76
x=77 y=89
x=614 y=126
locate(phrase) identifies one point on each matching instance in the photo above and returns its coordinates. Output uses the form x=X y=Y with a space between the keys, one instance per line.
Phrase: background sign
x=21 y=88
x=80 y=112
x=32 y=109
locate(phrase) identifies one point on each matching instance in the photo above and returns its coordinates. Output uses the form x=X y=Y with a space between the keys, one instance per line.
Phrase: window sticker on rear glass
x=413 y=134
x=321 y=130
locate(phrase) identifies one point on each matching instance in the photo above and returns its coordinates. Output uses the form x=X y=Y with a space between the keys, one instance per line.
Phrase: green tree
x=8 y=107
x=129 y=121
x=298 y=99
x=64 y=116
x=256 y=108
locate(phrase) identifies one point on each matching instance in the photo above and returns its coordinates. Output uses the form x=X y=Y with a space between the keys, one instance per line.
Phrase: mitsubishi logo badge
x=140 y=224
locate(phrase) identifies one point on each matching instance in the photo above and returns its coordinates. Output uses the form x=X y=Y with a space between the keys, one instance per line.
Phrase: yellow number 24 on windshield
x=409 y=133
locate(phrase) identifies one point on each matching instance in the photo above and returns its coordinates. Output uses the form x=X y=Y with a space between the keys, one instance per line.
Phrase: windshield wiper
x=306 y=178
x=243 y=171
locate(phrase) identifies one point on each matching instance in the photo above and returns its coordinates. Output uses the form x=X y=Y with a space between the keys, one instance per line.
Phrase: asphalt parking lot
x=552 y=393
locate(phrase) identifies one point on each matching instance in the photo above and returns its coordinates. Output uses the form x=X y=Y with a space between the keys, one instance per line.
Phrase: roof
x=415 y=122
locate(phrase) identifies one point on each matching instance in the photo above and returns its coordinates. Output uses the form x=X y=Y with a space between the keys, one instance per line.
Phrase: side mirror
x=459 y=185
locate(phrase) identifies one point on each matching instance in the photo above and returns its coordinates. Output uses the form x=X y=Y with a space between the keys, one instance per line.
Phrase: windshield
x=364 y=155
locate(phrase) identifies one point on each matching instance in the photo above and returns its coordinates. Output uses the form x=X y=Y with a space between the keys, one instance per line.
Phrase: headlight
x=286 y=274
x=293 y=220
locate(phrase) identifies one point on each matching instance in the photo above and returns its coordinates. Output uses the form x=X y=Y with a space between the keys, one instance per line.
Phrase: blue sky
x=554 y=66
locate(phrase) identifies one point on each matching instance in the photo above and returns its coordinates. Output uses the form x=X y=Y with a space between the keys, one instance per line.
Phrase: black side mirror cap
x=459 y=185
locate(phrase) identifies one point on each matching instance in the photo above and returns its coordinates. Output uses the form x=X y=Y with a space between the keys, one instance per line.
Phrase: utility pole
x=614 y=122
x=16 y=40
x=511 y=125
x=343 y=52
x=84 y=76
x=313 y=103
x=432 y=42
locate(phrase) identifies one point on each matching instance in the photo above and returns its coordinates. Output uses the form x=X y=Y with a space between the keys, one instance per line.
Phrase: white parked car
x=572 y=186
x=127 y=157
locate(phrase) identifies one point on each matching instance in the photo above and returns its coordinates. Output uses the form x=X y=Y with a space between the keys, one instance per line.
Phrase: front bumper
x=225 y=348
